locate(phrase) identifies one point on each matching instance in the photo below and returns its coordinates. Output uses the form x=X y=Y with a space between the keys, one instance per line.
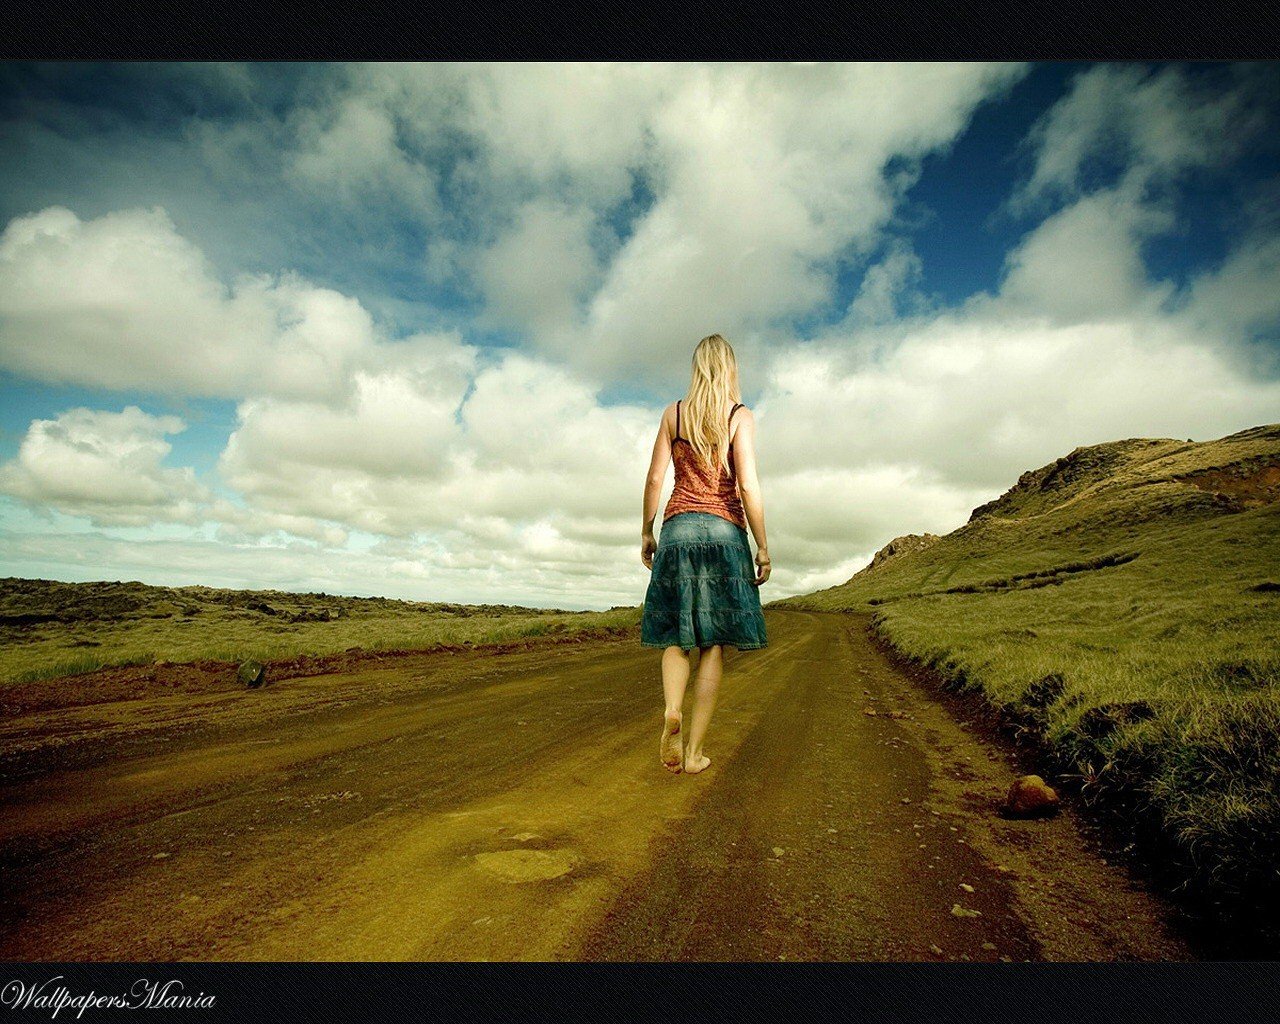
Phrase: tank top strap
x=731 y=412
x=677 y=419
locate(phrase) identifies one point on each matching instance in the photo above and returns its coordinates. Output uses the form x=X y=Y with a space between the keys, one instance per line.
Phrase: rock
x=959 y=911
x=896 y=548
x=869 y=712
x=989 y=945
x=251 y=674
x=1030 y=797
x=967 y=887
x=936 y=950
x=778 y=851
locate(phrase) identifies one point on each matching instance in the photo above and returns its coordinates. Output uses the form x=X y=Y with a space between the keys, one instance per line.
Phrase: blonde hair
x=712 y=387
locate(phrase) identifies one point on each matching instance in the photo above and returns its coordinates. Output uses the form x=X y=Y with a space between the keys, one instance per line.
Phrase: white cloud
x=1155 y=125
x=537 y=274
x=1241 y=297
x=616 y=213
x=758 y=176
x=519 y=441
x=886 y=285
x=768 y=174
x=124 y=301
x=1083 y=263
x=353 y=149
x=104 y=466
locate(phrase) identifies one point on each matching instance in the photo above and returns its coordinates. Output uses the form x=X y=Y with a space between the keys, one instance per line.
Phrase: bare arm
x=744 y=468
x=653 y=489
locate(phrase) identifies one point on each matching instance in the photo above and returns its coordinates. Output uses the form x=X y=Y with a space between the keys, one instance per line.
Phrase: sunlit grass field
x=1123 y=604
x=50 y=629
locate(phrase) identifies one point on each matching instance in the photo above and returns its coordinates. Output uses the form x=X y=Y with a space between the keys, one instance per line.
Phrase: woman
x=702 y=591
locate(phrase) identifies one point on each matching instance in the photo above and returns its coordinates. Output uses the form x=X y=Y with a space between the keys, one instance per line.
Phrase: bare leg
x=705 y=690
x=675 y=678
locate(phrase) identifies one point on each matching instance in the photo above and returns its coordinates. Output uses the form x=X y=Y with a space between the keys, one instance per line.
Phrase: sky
x=408 y=330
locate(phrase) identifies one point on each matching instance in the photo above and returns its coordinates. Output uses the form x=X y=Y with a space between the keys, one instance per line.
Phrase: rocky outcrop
x=896 y=548
x=1064 y=476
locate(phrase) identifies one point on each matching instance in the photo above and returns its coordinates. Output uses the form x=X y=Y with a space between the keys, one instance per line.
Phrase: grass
x=1122 y=605
x=50 y=629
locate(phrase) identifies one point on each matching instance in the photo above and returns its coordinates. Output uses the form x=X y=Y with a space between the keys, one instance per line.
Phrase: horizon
x=354 y=595
x=337 y=328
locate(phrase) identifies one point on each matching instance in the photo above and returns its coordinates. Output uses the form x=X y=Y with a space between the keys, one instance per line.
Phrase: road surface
x=511 y=806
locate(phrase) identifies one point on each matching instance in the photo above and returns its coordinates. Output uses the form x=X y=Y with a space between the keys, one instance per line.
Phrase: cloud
x=614 y=211
x=538 y=273
x=886 y=285
x=352 y=149
x=1153 y=126
x=123 y=301
x=601 y=218
x=515 y=440
x=768 y=175
x=1084 y=262
x=1239 y=298
x=104 y=466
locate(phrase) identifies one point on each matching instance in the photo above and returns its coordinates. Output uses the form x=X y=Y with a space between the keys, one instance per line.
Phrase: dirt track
x=511 y=806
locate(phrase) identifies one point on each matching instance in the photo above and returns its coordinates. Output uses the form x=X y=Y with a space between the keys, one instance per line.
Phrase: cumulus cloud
x=624 y=208
x=107 y=467
x=603 y=217
x=516 y=441
x=124 y=301
x=769 y=174
x=537 y=274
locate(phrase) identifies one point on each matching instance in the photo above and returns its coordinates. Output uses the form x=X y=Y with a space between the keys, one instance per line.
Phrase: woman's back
x=700 y=486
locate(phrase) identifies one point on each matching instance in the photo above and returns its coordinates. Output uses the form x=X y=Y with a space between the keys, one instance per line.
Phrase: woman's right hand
x=763 y=567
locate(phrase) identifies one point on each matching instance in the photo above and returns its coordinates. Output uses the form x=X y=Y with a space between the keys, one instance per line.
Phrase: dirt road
x=511 y=806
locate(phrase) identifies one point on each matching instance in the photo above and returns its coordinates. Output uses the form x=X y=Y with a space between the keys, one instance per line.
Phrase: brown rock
x=1030 y=797
x=896 y=548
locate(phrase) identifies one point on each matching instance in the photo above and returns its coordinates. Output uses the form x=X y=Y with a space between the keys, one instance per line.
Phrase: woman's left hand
x=647 y=547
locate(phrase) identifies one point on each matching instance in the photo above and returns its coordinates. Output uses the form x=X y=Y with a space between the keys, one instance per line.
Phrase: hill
x=1121 y=605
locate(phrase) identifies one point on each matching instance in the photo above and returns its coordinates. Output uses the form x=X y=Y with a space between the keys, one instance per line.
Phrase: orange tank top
x=703 y=488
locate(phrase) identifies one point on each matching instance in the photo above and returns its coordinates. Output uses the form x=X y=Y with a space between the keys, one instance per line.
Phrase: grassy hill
x=50 y=629
x=1123 y=604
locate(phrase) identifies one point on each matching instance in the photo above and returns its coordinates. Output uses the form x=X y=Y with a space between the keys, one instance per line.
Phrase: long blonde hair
x=713 y=386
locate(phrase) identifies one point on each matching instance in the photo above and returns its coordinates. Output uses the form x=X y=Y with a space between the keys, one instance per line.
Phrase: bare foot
x=694 y=763
x=669 y=750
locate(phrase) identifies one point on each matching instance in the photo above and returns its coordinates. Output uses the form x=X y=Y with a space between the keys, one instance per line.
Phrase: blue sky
x=407 y=329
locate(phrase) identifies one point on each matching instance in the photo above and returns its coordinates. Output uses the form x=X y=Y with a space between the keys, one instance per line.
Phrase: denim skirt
x=702 y=590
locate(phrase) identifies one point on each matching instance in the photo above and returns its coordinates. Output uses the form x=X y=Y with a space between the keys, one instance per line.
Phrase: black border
x=1239 y=993
x=590 y=30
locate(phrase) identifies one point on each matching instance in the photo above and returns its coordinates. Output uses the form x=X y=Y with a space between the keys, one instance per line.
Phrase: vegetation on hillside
x=1122 y=603
x=50 y=629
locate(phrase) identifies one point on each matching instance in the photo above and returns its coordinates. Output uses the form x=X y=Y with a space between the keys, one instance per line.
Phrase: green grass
x=1123 y=605
x=50 y=629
